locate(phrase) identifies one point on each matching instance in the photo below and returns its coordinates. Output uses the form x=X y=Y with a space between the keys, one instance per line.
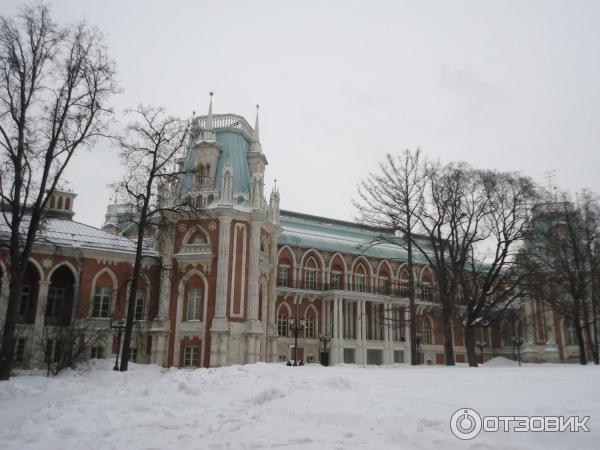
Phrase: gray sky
x=512 y=85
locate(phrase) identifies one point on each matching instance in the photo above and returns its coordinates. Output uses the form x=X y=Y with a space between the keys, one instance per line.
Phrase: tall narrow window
x=383 y=285
x=336 y=280
x=282 y=324
x=56 y=299
x=101 y=307
x=25 y=297
x=194 y=311
x=571 y=334
x=283 y=277
x=359 y=279
x=506 y=335
x=191 y=356
x=19 y=354
x=309 y=327
x=427 y=332
x=310 y=279
x=139 y=304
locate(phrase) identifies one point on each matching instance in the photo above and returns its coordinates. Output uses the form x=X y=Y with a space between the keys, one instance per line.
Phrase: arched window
x=506 y=335
x=570 y=333
x=426 y=283
x=310 y=323
x=102 y=299
x=360 y=279
x=67 y=203
x=282 y=321
x=404 y=283
x=310 y=274
x=195 y=298
x=427 y=331
x=140 y=301
x=59 y=205
x=52 y=202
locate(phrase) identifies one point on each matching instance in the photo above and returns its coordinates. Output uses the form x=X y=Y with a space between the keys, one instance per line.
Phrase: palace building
x=221 y=284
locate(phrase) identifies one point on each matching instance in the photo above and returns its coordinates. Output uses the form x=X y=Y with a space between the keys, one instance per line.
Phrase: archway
x=59 y=306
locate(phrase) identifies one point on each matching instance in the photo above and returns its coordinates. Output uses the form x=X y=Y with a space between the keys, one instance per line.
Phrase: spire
x=256 y=147
x=209 y=118
x=256 y=133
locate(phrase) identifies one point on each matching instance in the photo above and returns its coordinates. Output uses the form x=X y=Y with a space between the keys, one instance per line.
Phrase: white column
x=220 y=327
x=359 y=336
x=254 y=265
x=165 y=281
x=387 y=352
x=42 y=300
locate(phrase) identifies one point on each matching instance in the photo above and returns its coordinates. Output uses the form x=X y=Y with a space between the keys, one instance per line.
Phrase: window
x=134 y=355
x=283 y=279
x=56 y=299
x=360 y=283
x=336 y=280
x=485 y=337
x=349 y=356
x=398 y=356
x=570 y=334
x=97 y=352
x=427 y=332
x=198 y=239
x=25 y=296
x=383 y=285
x=102 y=295
x=139 y=304
x=282 y=358
x=282 y=324
x=506 y=335
x=19 y=354
x=309 y=279
x=194 y=310
x=191 y=357
x=309 y=327
x=54 y=350
x=310 y=359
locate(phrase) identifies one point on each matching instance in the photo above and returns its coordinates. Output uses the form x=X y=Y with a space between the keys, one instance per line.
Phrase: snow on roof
x=332 y=235
x=68 y=233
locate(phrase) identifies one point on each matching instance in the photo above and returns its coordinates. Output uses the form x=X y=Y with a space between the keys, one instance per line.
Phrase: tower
x=225 y=248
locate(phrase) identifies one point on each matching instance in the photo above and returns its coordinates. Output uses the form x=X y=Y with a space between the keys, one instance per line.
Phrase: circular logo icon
x=465 y=423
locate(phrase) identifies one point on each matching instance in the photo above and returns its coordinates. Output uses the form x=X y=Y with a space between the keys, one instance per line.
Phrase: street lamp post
x=296 y=326
x=418 y=341
x=118 y=325
x=325 y=339
x=517 y=343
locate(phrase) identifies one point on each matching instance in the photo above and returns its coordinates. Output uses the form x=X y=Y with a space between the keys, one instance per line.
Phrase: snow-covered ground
x=274 y=406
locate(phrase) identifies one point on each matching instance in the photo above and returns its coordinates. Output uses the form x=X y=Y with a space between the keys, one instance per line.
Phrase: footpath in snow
x=274 y=406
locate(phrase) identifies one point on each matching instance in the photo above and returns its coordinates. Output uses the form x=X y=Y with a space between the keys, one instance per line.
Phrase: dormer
x=60 y=204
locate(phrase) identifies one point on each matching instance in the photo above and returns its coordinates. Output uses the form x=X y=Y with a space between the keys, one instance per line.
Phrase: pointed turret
x=209 y=128
x=274 y=204
x=226 y=194
x=256 y=147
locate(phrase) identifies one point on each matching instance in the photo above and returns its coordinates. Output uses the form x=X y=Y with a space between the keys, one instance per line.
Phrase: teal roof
x=233 y=145
x=332 y=235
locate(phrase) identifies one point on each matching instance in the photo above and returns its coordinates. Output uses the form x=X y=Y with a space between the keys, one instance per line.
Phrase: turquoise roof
x=332 y=235
x=233 y=145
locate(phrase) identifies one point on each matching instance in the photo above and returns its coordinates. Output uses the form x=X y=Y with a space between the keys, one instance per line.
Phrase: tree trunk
x=8 y=335
x=580 y=342
x=414 y=355
x=469 y=332
x=448 y=347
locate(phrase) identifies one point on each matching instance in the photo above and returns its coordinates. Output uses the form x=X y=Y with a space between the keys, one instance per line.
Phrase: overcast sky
x=506 y=85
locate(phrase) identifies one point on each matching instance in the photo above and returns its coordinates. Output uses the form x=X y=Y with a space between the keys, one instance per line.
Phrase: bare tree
x=589 y=206
x=392 y=199
x=557 y=263
x=491 y=282
x=455 y=208
x=149 y=151
x=55 y=83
